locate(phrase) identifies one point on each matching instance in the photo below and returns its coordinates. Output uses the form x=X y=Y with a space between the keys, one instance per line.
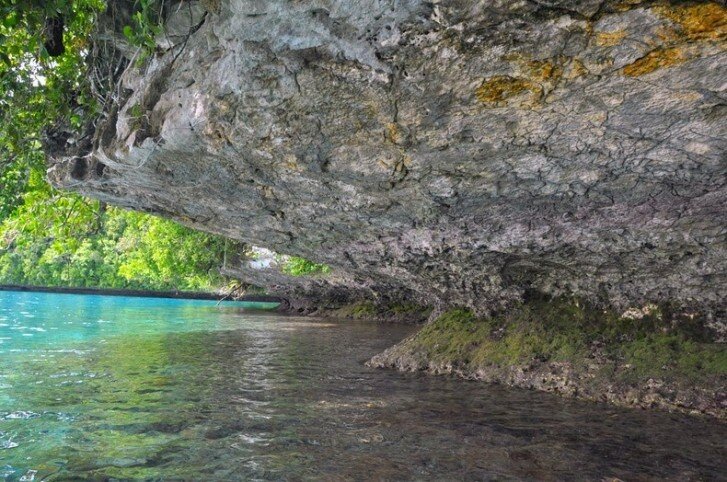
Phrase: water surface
x=104 y=388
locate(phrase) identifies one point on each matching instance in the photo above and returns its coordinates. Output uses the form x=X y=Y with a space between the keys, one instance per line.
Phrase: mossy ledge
x=645 y=358
x=388 y=312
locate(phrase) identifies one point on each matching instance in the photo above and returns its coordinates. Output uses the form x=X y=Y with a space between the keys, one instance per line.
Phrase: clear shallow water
x=104 y=388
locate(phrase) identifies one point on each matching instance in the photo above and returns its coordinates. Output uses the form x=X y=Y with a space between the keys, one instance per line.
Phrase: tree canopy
x=54 y=238
x=38 y=86
x=49 y=237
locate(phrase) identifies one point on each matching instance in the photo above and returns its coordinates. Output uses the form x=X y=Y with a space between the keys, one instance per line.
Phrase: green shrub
x=296 y=266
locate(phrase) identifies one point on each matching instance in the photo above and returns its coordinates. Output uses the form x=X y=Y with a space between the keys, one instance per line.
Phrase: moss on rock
x=402 y=312
x=651 y=359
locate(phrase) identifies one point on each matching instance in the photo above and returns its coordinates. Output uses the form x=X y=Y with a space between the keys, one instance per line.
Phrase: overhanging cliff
x=461 y=152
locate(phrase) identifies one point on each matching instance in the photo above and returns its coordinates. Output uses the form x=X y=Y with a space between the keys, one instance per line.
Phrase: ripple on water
x=6 y=441
x=29 y=476
x=19 y=415
x=63 y=417
x=196 y=393
x=72 y=352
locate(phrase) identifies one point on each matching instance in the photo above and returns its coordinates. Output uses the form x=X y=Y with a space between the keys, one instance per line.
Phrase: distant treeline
x=61 y=239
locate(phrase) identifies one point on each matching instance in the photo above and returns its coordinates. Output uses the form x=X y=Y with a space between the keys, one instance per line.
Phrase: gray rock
x=458 y=151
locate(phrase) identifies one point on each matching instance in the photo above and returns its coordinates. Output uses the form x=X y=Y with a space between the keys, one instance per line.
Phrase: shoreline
x=188 y=295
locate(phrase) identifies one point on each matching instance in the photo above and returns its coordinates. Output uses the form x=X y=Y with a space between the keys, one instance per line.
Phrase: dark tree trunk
x=54 y=36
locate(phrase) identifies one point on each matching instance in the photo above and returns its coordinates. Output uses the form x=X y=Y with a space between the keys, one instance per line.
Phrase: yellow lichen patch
x=536 y=70
x=514 y=56
x=211 y=5
x=576 y=69
x=500 y=88
x=531 y=83
x=701 y=21
x=544 y=70
x=291 y=162
x=609 y=39
x=625 y=5
x=656 y=59
x=393 y=133
x=218 y=134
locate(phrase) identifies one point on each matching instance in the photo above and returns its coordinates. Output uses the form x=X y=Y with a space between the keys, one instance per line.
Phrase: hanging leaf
x=11 y=20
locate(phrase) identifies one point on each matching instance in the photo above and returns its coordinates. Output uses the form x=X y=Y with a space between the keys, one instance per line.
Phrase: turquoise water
x=111 y=388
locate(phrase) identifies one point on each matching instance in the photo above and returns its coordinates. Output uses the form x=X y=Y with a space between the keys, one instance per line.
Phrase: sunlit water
x=109 y=388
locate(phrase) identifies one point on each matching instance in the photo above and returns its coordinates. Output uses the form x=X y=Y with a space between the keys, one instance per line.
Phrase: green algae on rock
x=403 y=312
x=645 y=357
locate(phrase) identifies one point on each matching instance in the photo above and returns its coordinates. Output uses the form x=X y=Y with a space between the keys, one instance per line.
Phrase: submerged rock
x=575 y=350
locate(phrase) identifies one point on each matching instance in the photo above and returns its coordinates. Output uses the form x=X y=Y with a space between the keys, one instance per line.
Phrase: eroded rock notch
x=459 y=152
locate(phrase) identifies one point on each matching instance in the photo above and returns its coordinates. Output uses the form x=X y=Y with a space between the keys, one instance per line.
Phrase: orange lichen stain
x=609 y=39
x=393 y=133
x=543 y=70
x=575 y=70
x=706 y=21
x=514 y=56
x=656 y=59
x=626 y=5
x=500 y=88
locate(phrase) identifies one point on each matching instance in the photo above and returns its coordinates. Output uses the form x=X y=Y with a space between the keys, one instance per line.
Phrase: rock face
x=459 y=152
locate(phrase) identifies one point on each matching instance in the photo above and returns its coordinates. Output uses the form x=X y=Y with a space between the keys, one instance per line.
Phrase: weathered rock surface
x=458 y=151
x=648 y=360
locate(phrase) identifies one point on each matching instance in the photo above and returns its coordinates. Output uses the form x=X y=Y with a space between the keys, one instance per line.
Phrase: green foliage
x=57 y=239
x=296 y=266
x=53 y=239
x=35 y=88
x=49 y=238
x=146 y=27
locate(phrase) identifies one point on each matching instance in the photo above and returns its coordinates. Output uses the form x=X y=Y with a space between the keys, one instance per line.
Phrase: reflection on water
x=95 y=388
